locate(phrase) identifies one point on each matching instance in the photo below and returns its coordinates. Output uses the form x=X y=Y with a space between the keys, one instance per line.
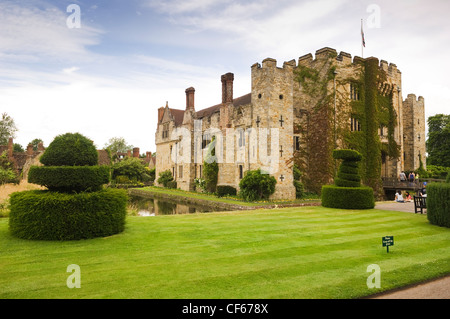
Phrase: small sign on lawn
x=388 y=241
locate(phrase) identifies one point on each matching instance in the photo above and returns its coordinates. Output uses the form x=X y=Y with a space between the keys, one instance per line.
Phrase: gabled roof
x=242 y=100
x=178 y=116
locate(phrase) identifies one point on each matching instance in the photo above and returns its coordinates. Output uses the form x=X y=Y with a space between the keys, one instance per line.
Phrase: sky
x=103 y=68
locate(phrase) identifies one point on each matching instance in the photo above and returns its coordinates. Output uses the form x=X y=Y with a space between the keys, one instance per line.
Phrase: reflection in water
x=152 y=206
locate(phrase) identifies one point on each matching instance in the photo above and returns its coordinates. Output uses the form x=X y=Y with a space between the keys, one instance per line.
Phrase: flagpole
x=362 y=40
x=362 y=46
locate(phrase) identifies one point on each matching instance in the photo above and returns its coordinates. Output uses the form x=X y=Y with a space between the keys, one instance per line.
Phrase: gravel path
x=434 y=289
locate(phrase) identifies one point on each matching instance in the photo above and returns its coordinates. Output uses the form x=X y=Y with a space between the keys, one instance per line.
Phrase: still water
x=141 y=206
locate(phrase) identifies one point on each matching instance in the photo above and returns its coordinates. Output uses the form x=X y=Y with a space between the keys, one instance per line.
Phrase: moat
x=144 y=206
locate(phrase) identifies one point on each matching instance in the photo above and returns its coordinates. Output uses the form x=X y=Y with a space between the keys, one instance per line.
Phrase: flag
x=362 y=35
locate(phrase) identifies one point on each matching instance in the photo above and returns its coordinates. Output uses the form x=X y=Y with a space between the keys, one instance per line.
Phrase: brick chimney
x=227 y=87
x=136 y=152
x=30 y=149
x=149 y=155
x=10 y=148
x=190 y=98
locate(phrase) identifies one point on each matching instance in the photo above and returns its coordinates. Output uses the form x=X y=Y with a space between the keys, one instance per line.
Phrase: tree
x=18 y=148
x=133 y=168
x=35 y=143
x=438 y=143
x=7 y=128
x=118 y=144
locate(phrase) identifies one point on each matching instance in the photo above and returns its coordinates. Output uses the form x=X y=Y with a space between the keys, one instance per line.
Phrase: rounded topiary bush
x=70 y=178
x=47 y=215
x=347 y=191
x=70 y=149
x=75 y=206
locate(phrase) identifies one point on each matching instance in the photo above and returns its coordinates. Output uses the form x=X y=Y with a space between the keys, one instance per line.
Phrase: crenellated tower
x=272 y=109
x=413 y=132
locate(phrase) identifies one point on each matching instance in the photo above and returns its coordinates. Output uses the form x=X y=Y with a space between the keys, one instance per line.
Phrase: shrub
x=347 y=191
x=69 y=178
x=47 y=215
x=211 y=168
x=7 y=176
x=152 y=175
x=297 y=174
x=256 y=186
x=200 y=184
x=172 y=184
x=438 y=204
x=165 y=177
x=299 y=189
x=224 y=190
x=132 y=167
x=347 y=197
x=70 y=149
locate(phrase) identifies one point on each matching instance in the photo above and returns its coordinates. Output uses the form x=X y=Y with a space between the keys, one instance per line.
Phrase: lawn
x=307 y=252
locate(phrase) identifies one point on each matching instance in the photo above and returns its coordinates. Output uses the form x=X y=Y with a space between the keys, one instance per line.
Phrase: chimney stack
x=227 y=87
x=30 y=149
x=10 y=147
x=136 y=152
x=190 y=98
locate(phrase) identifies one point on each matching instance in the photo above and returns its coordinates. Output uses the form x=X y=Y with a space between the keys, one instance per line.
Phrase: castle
x=297 y=114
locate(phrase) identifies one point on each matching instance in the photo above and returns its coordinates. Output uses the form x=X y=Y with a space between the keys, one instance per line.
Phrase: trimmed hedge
x=224 y=190
x=438 y=204
x=70 y=149
x=47 y=215
x=347 y=197
x=70 y=178
x=346 y=183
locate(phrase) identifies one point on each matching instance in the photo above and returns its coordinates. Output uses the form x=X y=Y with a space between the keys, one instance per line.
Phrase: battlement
x=268 y=63
x=412 y=98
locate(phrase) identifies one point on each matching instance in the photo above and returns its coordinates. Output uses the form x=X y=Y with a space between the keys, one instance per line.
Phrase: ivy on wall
x=371 y=110
x=314 y=82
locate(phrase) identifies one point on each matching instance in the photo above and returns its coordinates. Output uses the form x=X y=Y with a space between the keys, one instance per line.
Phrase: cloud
x=42 y=32
x=70 y=70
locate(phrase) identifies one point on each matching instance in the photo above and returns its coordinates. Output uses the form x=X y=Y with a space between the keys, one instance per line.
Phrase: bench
x=419 y=204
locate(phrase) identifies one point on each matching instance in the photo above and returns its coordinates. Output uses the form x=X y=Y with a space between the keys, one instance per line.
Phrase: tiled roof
x=178 y=116
x=242 y=100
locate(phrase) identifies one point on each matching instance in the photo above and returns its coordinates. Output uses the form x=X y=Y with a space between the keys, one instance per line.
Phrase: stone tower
x=413 y=132
x=272 y=101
